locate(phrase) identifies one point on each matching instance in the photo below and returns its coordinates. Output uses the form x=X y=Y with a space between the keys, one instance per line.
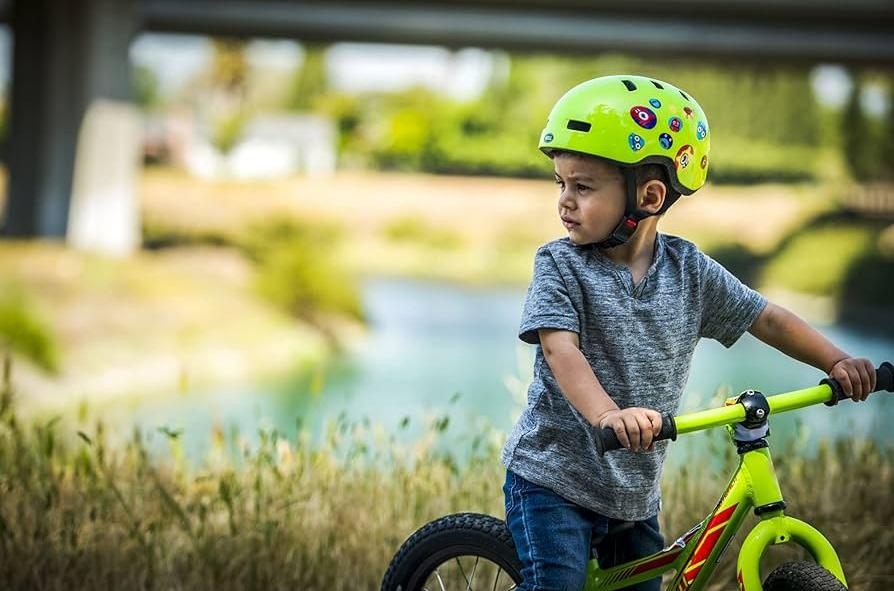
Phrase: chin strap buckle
x=621 y=234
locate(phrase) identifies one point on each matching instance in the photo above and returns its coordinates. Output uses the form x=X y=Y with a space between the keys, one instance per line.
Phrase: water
x=436 y=349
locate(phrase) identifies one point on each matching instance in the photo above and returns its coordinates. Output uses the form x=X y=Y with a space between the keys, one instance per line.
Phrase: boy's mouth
x=569 y=223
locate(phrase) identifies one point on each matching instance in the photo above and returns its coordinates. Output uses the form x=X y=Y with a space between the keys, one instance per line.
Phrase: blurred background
x=227 y=223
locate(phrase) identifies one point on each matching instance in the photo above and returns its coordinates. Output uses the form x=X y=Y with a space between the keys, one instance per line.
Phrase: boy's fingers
x=633 y=432
x=854 y=378
x=645 y=430
x=621 y=432
x=844 y=380
x=865 y=381
x=655 y=418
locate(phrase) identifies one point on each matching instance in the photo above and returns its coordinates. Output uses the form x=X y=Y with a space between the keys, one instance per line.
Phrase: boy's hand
x=635 y=427
x=856 y=376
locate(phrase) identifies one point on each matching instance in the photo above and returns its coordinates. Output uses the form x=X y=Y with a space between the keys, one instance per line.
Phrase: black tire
x=444 y=541
x=802 y=576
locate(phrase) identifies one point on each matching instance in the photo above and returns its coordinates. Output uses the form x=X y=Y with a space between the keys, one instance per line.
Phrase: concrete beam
x=857 y=32
x=66 y=56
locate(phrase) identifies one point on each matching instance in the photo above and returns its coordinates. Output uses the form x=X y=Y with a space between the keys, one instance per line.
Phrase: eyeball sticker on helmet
x=701 y=131
x=705 y=161
x=644 y=117
x=655 y=103
x=548 y=138
x=688 y=112
x=636 y=142
x=675 y=124
x=684 y=157
x=665 y=140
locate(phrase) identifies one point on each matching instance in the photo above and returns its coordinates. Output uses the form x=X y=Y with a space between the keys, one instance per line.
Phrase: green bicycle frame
x=695 y=555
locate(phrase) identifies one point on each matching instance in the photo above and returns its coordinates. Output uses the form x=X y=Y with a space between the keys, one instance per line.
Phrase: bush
x=298 y=269
x=24 y=332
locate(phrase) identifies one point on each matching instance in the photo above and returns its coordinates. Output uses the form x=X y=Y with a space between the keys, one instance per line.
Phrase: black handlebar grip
x=884 y=381
x=607 y=440
x=884 y=377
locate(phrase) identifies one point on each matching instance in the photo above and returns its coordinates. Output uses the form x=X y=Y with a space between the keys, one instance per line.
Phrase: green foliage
x=309 y=83
x=816 y=260
x=145 y=87
x=298 y=268
x=765 y=121
x=747 y=161
x=228 y=130
x=229 y=66
x=860 y=136
x=23 y=331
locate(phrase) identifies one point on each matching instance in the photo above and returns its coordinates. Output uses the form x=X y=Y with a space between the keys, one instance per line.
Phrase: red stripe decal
x=722 y=516
x=660 y=561
x=706 y=546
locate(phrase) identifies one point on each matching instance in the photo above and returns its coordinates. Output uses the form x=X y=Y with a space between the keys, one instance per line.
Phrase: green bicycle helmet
x=631 y=121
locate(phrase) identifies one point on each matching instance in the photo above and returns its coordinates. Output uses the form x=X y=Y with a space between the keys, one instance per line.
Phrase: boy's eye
x=582 y=188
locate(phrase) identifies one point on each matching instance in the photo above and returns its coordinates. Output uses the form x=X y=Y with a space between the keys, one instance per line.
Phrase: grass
x=78 y=514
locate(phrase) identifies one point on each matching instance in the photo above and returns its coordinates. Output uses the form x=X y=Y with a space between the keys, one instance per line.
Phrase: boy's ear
x=651 y=196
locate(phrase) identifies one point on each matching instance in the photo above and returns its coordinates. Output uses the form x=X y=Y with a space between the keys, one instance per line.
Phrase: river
x=436 y=349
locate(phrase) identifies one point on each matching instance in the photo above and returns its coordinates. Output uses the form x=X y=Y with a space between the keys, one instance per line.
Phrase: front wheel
x=802 y=576
x=457 y=552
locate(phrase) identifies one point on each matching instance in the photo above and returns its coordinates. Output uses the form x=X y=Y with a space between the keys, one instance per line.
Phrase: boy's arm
x=635 y=427
x=785 y=331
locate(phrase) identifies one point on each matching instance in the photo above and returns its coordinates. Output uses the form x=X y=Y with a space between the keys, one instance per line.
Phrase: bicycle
x=418 y=563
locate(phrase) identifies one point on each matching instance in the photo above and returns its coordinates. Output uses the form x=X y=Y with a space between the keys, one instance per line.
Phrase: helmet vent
x=578 y=125
x=630 y=85
x=657 y=85
x=684 y=96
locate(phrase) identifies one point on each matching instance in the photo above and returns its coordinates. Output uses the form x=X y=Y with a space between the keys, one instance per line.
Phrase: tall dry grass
x=78 y=514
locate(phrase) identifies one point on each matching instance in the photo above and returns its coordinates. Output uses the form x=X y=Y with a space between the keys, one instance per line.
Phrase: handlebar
x=828 y=392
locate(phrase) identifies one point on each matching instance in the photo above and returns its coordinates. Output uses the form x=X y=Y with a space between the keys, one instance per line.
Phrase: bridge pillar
x=69 y=59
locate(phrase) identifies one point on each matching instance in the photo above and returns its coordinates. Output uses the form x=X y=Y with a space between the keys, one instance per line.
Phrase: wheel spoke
x=472 y=578
x=463 y=573
x=497 y=579
x=440 y=581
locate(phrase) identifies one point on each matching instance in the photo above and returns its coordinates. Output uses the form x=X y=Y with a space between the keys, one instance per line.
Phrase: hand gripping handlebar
x=607 y=440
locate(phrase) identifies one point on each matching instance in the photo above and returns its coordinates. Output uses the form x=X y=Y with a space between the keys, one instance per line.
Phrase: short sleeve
x=729 y=307
x=547 y=304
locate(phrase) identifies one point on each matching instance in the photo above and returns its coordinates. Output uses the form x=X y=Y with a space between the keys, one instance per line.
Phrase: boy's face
x=592 y=196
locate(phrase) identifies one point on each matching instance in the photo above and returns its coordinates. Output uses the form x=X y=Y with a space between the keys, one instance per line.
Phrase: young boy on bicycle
x=617 y=308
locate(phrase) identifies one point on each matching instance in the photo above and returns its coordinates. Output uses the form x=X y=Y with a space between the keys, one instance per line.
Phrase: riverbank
x=473 y=230
x=158 y=322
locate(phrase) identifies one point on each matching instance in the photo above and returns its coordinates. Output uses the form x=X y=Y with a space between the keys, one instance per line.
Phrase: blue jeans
x=552 y=536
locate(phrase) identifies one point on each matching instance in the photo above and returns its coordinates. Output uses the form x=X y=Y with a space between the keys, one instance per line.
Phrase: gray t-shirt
x=639 y=341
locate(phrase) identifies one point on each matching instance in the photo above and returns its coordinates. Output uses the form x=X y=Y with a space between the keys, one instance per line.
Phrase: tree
x=310 y=80
x=861 y=150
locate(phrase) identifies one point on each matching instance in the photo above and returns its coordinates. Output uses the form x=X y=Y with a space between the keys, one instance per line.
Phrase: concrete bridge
x=72 y=148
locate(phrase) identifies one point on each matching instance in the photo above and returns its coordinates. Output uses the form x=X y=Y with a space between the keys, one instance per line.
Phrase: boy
x=617 y=309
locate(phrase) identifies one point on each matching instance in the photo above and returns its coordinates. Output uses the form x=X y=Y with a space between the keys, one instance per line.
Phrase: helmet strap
x=632 y=214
